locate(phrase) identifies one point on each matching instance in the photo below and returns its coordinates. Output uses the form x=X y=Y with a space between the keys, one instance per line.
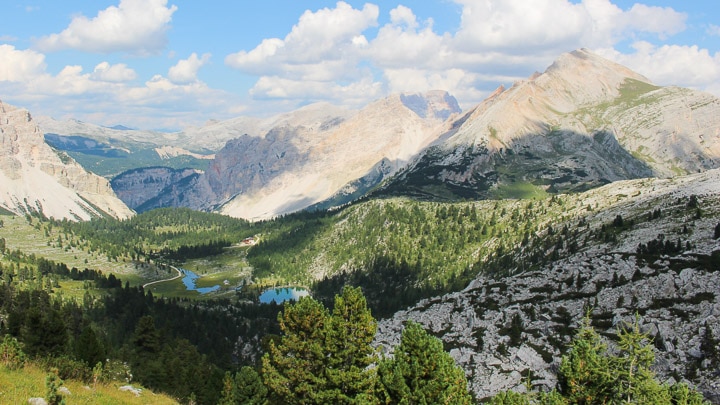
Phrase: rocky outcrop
x=35 y=178
x=501 y=328
x=138 y=187
x=315 y=154
x=584 y=122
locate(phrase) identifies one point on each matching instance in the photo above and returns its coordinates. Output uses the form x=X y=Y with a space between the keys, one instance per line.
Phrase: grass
x=520 y=191
x=19 y=234
x=17 y=386
x=632 y=89
x=23 y=236
x=73 y=289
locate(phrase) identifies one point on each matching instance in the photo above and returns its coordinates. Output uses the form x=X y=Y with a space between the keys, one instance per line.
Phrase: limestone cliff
x=307 y=159
x=34 y=178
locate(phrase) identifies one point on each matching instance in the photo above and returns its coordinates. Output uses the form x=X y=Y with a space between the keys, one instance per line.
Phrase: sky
x=170 y=64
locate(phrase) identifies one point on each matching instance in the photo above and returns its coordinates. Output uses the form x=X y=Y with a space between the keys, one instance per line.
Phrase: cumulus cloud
x=185 y=71
x=401 y=44
x=20 y=65
x=319 y=38
x=495 y=40
x=134 y=26
x=687 y=66
x=105 y=72
x=108 y=93
x=343 y=55
x=516 y=25
x=355 y=93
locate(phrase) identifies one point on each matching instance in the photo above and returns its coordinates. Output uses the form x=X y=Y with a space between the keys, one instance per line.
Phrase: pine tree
x=350 y=332
x=635 y=381
x=293 y=371
x=421 y=372
x=249 y=387
x=585 y=375
x=88 y=347
x=323 y=358
x=229 y=392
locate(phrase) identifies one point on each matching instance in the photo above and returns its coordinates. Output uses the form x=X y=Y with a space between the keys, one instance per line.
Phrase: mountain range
x=632 y=230
x=583 y=123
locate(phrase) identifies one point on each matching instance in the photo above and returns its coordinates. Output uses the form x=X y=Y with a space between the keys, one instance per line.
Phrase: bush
x=11 y=356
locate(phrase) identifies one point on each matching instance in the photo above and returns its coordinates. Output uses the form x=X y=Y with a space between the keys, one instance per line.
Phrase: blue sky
x=172 y=63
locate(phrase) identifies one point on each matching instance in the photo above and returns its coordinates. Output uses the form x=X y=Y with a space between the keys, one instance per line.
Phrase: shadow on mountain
x=388 y=286
x=248 y=163
x=173 y=195
x=559 y=161
x=85 y=145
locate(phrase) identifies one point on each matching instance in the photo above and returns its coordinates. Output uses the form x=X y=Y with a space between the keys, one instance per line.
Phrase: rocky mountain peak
x=585 y=78
x=584 y=122
x=37 y=179
x=436 y=104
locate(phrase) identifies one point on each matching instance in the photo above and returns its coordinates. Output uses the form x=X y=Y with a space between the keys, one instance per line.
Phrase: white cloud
x=319 y=39
x=105 y=72
x=497 y=42
x=185 y=71
x=687 y=66
x=353 y=94
x=403 y=15
x=320 y=59
x=20 y=65
x=134 y=26
x=107 y=94
x=340 y=54
x=519 y=25
x=399 y=44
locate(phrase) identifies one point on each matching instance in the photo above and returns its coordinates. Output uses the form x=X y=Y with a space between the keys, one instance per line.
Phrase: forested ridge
x=115 y=331
x=398 y=251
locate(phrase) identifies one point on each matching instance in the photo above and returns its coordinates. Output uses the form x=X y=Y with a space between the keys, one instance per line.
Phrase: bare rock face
x=315 y=152
x=34 y=178
x=502 y=329
x=584 y=122
x=139 y=188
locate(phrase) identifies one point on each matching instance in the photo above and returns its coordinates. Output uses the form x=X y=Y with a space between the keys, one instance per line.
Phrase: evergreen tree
x=323 y=358
x=229 y=392
x=294 y=370
x=585 y=375
x=350 y=332
x=88 y=348
x=145 y=364
x=635 y=381
x=249 y=387
x=421 y=372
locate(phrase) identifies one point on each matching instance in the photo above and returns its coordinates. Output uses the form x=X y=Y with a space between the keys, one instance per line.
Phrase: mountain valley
x=583 y=191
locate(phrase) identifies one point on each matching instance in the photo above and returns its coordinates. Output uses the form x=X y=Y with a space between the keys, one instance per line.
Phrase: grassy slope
x=28 y=239
x=16 y=386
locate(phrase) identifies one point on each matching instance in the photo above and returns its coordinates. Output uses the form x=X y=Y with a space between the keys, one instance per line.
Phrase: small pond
x=280 y=295
x=189 y=279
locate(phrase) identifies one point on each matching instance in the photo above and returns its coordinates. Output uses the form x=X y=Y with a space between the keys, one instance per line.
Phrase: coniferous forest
x=233 y=350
